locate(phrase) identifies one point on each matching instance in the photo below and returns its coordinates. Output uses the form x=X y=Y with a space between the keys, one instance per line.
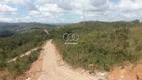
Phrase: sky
x=69 y=11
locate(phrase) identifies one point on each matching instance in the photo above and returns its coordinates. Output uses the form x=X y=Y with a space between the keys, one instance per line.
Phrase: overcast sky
x=69 y=11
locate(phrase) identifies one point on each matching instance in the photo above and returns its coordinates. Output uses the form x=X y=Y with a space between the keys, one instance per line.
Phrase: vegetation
x=104 y=44
x=6 y=33
x=23 y=64
x=13 y=46
x=18 y=67
x=18 y=43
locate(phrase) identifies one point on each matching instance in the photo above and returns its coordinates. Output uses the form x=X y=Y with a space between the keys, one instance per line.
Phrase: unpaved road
x=26 y=54
x=52 y=70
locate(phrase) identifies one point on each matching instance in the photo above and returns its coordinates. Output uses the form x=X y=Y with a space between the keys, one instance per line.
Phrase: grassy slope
x=103 y=44
x=18 y=44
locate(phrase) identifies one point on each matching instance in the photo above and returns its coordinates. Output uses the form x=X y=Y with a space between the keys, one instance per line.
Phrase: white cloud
x=6 y=8
x=27 y=4
x=98 y=3
x=50 y=8
x=4 y=19
x=57 y=10
x=131 y=5
x=64 y=4
x=34 y=13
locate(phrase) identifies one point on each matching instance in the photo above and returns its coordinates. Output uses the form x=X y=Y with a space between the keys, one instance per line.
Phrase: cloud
x=132 y=5
x=70 y=10
x=98 y=3
x=34 y=13
x=6 y=8
x=27 y=4
x=4 y=19
x=64 y=4
x=53 y=8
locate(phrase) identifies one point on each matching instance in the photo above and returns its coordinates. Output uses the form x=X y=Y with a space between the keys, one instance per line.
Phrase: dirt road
x=25 y=54
x=52 y=68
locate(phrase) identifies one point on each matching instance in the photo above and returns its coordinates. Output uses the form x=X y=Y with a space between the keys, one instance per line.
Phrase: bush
x=18 y=44
x=23 y=64
x=103 y=44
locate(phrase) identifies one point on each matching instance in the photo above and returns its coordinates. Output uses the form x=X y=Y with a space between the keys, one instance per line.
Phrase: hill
x=8 y=29
x=103 y=44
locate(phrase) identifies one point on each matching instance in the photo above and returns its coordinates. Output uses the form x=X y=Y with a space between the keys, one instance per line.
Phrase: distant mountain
x=26 y=24
x=7 y=29
x=61 y=24
x=21 y=26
